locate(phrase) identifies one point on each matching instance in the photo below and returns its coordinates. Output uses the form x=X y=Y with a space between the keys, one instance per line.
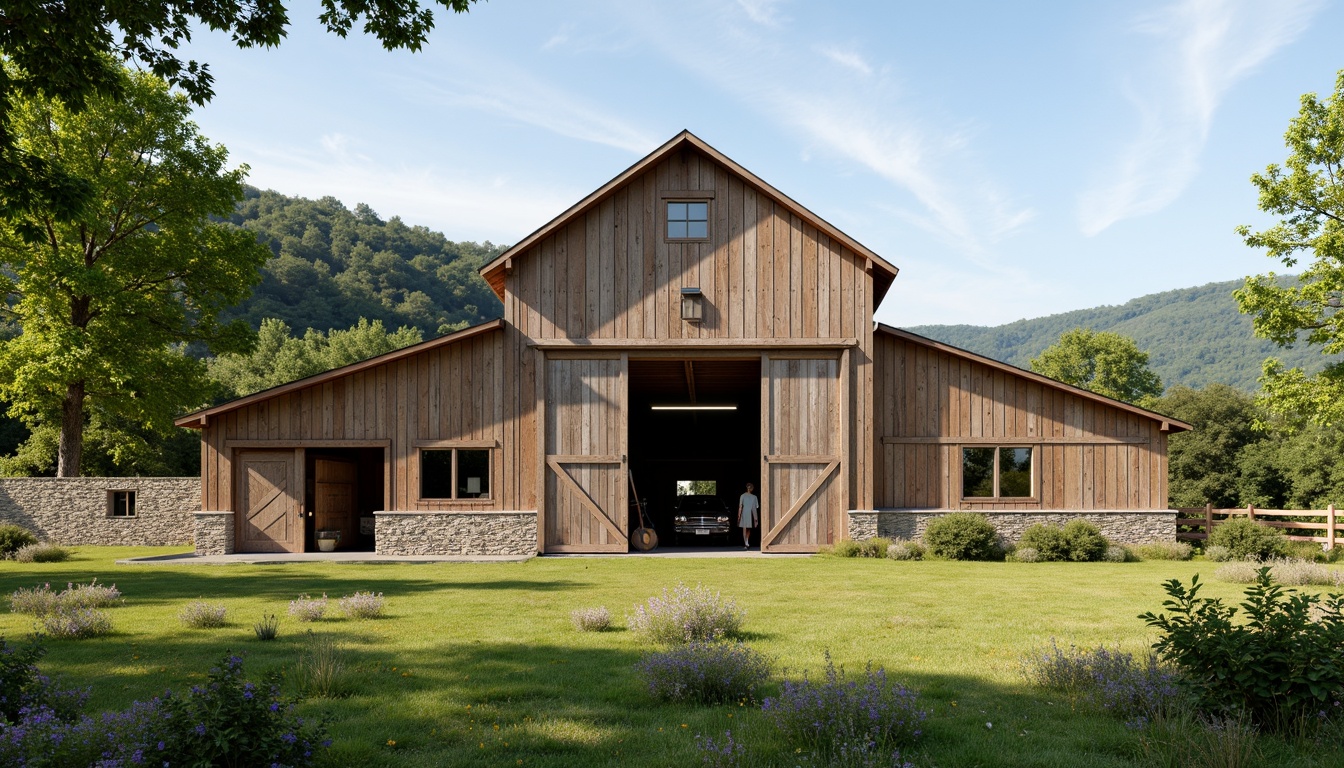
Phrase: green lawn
x=477 y=664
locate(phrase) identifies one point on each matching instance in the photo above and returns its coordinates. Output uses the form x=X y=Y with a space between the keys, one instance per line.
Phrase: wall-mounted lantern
x=692 y=305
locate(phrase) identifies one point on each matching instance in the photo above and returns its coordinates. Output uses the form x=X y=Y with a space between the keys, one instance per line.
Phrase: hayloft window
x=121 y=503
x=688 y=220
x=996 y=473
x=454 y=473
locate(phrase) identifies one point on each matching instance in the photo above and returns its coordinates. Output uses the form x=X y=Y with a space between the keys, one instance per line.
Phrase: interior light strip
x=693 y=407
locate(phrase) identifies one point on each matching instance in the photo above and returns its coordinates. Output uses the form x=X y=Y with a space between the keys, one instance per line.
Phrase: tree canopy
x=1308 y=193
x=1103 y=362
x=108 y=300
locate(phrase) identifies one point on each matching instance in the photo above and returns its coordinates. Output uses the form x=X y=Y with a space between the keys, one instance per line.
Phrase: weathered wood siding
x=929 y=403
x=454 y=392
x=610 y=274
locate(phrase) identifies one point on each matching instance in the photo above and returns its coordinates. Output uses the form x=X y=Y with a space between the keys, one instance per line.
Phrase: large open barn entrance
x=343 y=488
x=694 y=428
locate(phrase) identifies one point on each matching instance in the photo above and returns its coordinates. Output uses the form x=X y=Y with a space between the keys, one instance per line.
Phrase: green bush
x=13 y=538
x=1079 y=541
x=1217 y=553
x=846 y=548
x=1306 y=550
x=876 y=547
x=962 y=536
x=1163 y=550
x=901 y=549
x=41 y=553
x=1246 y=539
x=1279 y=667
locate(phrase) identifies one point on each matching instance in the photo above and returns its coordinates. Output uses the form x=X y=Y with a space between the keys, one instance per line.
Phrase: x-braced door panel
x=270 y=517
x=585 y=471
x=802 y=501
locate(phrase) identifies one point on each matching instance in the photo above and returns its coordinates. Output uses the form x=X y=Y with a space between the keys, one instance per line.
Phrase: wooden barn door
x=269 y=515
x=802 y=437
x=585 y=455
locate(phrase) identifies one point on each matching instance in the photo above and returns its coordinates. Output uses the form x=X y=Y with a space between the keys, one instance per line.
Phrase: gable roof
x=1168 y=423
x=197 y=419
x=883 y=271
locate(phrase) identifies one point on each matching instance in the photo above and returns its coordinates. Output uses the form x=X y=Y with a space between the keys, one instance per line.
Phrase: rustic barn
x=686 y=322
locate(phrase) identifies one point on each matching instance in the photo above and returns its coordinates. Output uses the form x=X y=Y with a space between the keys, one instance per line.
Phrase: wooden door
x=334 y=498
x=585 y=463
x=802 y=437
x=269 y=514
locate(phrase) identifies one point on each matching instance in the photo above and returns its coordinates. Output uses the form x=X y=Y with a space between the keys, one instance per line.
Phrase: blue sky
x=1013 y=159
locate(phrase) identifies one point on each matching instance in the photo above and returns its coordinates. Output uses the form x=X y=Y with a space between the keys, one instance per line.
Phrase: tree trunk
x=70 y=450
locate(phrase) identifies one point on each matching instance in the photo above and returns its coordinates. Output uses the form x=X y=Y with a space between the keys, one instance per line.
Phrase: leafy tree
x=1308 y=192
x=1103 y=362
x=70 y=52
x=280 y=358
x=1204 y=463
x=107 y=300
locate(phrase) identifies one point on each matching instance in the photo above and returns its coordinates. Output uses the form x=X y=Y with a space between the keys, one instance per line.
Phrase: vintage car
x=700 y=519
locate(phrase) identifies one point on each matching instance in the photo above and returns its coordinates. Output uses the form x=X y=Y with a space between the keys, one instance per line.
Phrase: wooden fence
x=1316 y=525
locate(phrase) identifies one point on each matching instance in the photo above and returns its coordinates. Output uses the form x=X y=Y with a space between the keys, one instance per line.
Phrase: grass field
x=478 y=664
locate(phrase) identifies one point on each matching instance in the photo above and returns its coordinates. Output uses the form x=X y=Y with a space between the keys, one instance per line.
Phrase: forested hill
x=331 y=266
x=1194 y=336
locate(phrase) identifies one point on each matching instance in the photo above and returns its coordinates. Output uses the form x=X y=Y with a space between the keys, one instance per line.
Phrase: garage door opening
x=694 y=442
x=344 y=488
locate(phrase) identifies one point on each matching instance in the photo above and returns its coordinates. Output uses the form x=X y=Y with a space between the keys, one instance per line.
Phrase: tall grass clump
x=321 y=669
x=199 y=614
x=1187 y=739
x=1217 y=553
x=1246 y=539
x=41 y=552
x=1294 y=573
x=843 y=722
x=305 y=608
x=268 y=628
x=591 y=619
x=685 y=615
x=13 y=538
x=705 y=673
x=1163 y=550
x=1135 y=690
x=363 y=605
x=962 y=536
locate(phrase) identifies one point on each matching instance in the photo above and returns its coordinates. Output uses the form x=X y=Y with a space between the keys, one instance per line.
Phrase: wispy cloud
x=561 y=36
x=845 y=57
x=1200 y=49
x=764 y=12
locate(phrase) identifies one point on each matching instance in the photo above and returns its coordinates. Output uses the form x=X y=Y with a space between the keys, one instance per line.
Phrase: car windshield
x=700 y=504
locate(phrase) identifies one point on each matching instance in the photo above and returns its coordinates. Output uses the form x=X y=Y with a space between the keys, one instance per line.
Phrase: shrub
x=268 y=628
x=75 y=622
x=1086 y=544
x=1290 y=572
x=1115 y=555
x=901 y=549
x=91 y=595
x=1306 y=550
x=1246 y=539
x=591 y=619
x=38 y=601
x=1025 y=555
x=22 y=686
x=1217 y=553
x=13 y=538
x=1108 y=679
x=705 y=672
x=363 y=605
x=199 y=614
x=684 y=615
x=876 y=547
x=1047 y=541
x=847 y=722
x=41 y=553
x=846 y=548
x=961 y=536
x=320 y=672
x=1278 y=667
x=1163 y=550
x=305 y=608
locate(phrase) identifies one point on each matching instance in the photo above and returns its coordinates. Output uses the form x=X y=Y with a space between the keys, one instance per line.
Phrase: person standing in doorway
x=748 y=506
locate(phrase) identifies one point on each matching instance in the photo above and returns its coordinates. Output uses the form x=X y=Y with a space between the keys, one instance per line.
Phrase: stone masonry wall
x=214 y=533
x=74 y=510
x=1120 y=526
x=455 y=533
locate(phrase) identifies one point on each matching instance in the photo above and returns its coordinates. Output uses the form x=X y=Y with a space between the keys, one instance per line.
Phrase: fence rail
x=1301 y=525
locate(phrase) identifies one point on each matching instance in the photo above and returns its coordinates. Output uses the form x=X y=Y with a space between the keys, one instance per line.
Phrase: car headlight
x=723 y=518
x=679 y=518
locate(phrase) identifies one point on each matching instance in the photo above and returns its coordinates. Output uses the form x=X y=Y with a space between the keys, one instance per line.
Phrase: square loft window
x=688 y=221
x=121 y=503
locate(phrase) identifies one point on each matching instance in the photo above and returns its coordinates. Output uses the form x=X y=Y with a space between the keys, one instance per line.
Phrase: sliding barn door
x=585 y=469
x=802 y=436
x=269 y=514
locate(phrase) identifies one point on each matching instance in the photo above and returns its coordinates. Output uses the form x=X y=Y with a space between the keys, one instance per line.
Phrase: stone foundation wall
x=214 y=533
x=455 y=533
x=75 y=510
x=1122 y=526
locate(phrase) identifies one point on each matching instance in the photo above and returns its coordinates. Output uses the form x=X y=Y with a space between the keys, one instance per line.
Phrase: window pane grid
x=449 y=474
x=687 y=221
x=996 y=473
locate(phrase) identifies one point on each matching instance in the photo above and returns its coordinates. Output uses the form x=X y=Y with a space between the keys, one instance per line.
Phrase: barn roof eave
x=198 y=419
x=1169 y=424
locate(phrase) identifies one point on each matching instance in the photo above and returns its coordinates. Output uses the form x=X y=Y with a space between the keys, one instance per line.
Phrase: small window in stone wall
x=121 y=503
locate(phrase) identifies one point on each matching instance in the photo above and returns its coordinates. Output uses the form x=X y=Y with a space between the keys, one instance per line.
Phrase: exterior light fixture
x=692 y=305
